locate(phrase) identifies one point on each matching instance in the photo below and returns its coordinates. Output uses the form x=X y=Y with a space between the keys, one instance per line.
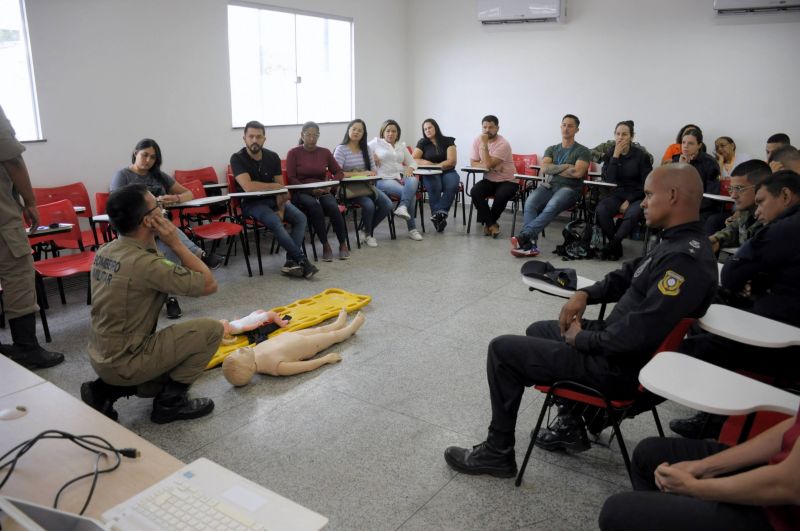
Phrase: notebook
x=201 y=495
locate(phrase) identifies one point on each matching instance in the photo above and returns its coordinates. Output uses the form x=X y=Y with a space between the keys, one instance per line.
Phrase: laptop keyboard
x=179 y=506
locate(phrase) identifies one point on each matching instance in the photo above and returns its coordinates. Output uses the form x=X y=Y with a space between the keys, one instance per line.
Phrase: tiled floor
x=361 y=442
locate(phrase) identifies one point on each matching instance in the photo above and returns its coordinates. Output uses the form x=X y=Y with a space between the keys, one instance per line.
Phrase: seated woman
x=396 y=169
x=628 y=167
x=355 y=158
x=435 y=149
x=703 y=485
x=727 y=157
x=675 y=149
x=309 y=163
x=145 y=168
x=290 y=353
x=708 y=169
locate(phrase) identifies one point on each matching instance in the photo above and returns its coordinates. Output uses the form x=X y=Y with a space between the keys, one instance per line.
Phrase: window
x=17 y=90
x=289 y=68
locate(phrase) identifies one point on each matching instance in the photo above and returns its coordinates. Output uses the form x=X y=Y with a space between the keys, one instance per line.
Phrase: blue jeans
x=269 y=218
x=441 y=190
x=406 y=191
x=543 y=205
x=373 y=210
x=170 y=255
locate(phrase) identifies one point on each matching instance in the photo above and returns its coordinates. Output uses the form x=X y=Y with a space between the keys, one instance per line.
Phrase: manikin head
x=240 y=366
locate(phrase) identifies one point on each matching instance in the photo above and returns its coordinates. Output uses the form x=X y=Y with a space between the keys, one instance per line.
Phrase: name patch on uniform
x=670 y=285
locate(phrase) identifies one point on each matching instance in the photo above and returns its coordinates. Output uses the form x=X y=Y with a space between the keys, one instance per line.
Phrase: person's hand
x=168 y=199
x=695 y=467
x=408 y=171
x=32 y=215
x=714 y=244
x=281 y=200
x=624 y=207
x=573 y=330
x=572 y=310
x=775 y=166
x=370 y=173
x=166 y=231
x=747 y=290
x=620 y=147
x=484 y=139
x=316 y=192
x=377 y=160
x=331 y=358
x=685 y=159
x=674 y=479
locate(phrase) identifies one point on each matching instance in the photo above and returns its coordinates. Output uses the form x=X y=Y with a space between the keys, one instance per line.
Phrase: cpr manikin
x=288 y=353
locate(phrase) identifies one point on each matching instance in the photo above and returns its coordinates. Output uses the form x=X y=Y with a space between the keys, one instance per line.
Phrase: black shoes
x=439 y=221
x=211 y=260
x=172 y=403
x=173 y=308
x=101 y=396
x=309 y=269
x=700 y=426
x=292 y=269
x=566 y=433
x=26 y=349
x=482 y=459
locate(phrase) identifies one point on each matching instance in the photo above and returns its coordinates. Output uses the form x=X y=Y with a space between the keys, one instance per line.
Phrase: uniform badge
x=670 y=285
x=694 y=243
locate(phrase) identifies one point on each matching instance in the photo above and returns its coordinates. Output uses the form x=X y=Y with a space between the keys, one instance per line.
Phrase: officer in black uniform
x=674 y=280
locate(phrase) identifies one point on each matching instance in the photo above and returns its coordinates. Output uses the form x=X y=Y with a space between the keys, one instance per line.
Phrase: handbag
x=354 y=190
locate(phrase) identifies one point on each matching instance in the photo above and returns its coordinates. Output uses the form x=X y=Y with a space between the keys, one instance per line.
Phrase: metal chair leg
x=534 y=434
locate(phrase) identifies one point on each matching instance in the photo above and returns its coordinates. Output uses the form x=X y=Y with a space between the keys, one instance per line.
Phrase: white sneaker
x=371 y=241
x=402 y=213
x=415 y=235
x=362 y=236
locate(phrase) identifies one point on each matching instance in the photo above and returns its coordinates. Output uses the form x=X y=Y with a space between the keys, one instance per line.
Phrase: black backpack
x=582 y=240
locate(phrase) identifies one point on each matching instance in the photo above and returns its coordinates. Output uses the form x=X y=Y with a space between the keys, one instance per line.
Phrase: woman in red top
x=309 y=163
x=691 y=484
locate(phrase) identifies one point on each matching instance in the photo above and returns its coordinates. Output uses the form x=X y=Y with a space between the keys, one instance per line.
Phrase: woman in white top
x=727 y=157
x=396 y=169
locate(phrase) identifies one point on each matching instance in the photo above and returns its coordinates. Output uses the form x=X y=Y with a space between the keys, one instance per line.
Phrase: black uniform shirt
x=708 y=168
x=628 y=171
x=265 y=170
x=676 y=279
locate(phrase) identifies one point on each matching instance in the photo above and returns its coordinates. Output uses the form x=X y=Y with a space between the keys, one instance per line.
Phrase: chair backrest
x=196 y=187
x=675 y=338
x=235 y=201
x=284 y=172
x=207 y=175
x=75 y=192
x=521 y=163
x=100 y=200
x=59 y=212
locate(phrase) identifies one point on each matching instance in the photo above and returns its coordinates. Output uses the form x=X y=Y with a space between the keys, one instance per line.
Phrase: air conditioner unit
x=518 y=11
x=726 y=7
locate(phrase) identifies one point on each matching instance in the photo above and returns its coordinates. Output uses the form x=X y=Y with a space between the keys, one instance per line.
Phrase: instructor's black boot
x=101 y=396
x=567 y=433
x=493 y=457
x=171 y=404
x=26 y=349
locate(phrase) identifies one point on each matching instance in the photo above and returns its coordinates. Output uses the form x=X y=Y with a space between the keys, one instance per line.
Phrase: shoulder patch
x=670 y=284
x=694 y=243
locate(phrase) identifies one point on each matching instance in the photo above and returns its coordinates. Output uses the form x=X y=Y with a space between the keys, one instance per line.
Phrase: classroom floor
x=362 y=442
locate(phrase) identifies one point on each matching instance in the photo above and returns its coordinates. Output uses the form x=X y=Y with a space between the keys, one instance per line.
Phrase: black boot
x=171 y=404
x=26 y=349
x=700 y=426
x=494 y=457
x=566 y=433
x=101 y=396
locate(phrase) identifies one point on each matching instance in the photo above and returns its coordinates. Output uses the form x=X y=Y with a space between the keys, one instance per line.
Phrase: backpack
x=582 y=240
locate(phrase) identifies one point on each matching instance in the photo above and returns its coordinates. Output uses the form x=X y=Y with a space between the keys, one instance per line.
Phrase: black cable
x=92 y=443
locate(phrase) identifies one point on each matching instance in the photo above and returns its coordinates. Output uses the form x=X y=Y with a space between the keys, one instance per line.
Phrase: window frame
x=31 y=78
x=302 y=12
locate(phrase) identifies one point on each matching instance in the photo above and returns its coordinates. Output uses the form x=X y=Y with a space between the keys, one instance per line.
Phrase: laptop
x=201 y=495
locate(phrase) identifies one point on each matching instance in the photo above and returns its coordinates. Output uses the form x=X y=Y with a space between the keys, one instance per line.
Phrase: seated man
x=675 y=279
x=564 y=166
x=130 y=281
x=493 y=152
x=704 y=485
x=775 y=141
x=785 y=158
x=761 y=278
x=742 y=225
x=255 y=169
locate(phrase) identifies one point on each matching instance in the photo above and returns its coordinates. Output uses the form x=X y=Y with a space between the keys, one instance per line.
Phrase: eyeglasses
x=740 y=189
x=158 y=205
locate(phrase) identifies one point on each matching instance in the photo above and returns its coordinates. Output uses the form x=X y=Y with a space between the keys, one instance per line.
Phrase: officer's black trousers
x=648 y=508
x=542 y=357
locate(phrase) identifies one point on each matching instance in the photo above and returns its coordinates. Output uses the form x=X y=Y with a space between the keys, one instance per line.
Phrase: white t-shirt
x=393 y=159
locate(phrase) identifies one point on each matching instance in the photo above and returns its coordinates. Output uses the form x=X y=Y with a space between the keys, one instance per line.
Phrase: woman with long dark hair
x=355 y=158
x=707 y=167
x=435 y=149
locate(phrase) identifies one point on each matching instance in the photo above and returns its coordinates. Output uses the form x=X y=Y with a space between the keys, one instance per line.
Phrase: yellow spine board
x=305 y=313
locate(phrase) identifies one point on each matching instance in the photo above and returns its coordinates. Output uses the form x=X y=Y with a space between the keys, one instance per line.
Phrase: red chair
x=207 y=175
x=77 y=194
x=61 y=266
x=213 y=230
x=615 y=408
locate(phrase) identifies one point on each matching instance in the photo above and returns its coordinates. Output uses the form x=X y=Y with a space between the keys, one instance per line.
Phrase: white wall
x=110 y=72
x=662 y=64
